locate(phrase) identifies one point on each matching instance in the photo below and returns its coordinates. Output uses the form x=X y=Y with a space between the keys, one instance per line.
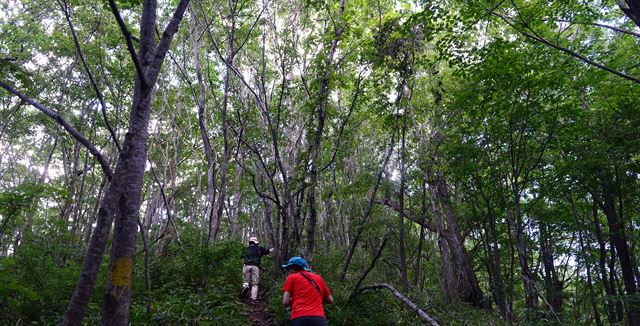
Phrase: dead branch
x=373 y=263
x=428 y=319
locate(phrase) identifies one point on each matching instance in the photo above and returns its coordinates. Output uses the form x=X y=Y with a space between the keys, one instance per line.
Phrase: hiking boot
x=243 y=292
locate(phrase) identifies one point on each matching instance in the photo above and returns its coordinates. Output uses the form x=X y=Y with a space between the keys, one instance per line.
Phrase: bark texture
x=122 y=199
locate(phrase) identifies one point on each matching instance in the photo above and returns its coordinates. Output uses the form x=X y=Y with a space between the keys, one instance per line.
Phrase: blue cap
x=298 y=261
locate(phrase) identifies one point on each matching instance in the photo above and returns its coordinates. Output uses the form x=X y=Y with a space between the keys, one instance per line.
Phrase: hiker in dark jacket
x=251 y=269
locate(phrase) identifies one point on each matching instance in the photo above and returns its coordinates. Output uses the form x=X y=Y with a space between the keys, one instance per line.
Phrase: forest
x=447 y=162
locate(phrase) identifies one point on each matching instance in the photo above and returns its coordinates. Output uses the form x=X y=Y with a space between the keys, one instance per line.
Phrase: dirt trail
x=257 y=311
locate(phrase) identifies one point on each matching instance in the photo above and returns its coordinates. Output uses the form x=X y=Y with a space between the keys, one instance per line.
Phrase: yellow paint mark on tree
x=121 y=275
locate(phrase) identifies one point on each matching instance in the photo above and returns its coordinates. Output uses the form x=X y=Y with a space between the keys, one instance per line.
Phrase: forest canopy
x=456 y=162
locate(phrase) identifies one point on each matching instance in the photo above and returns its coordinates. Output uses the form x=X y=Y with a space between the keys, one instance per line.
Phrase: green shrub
x=191 y=284
x=38 y=279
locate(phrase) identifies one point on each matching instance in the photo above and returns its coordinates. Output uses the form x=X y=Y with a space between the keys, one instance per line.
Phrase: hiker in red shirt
x=305 y=292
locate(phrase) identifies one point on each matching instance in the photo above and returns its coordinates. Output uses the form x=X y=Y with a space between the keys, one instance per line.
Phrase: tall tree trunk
x=122 y=199
x=448 y=282
x=418 y=266
x=218 y=208
x=467 y=287
x=401 y=241
x=94 y=212
x=528 y=278
x=47 y=163
x=498 y=287
x=553 y=286
x=613 y=281
x=323 y=95
x=631 y=8
x=619 y=241
x=331 y=236
x=602 y=264
x=79 y=200
x=202 y=125
x=236 y=205
x=587 y=263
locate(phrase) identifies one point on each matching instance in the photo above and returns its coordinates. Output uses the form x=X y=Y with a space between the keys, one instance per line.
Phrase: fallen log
x=402 y=298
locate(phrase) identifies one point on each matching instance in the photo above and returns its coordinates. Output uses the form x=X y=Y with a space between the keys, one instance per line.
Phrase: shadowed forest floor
x=257 y=311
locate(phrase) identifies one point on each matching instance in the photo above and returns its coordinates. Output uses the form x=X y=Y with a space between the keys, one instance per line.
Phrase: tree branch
x=419 y=220
x=263 y=165
x=165 y=40
x=249 y=31
x=166 y=207
x=373 y=263
x=344 y=123
x=235 y=70
x=103 y=105
x=127 y=37
x=567 y=51
x=76 y=134
x=372 y=198
x=617 y=29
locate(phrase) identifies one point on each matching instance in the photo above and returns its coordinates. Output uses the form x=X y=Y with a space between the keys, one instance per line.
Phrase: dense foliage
x=481 y=157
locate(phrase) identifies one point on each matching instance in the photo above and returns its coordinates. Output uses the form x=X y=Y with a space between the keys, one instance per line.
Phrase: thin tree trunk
x=592 y=295
x=147 y=276
x=498 y=282
x=236 y=205
x=323 y=94
x=79 y=200
x=94 y=213
x=619 y=240
x=202 y=125
x=528 y=278
x=371 y=266
x=47 y=163
x=218 y=206
x=613 y=281
x=553 y=285
x=369 y=208
x=401 y=240
x=418 y=266
x=602 y=263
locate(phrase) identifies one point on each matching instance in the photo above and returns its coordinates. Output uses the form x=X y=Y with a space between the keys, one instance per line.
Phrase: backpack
x=252 y=256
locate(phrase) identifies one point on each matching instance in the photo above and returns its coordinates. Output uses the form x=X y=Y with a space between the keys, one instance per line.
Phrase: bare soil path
x=257 y=310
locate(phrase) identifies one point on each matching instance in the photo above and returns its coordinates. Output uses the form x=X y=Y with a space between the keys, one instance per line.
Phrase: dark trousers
x=309 y=321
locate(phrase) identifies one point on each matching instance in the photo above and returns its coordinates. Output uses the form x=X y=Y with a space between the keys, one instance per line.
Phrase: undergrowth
x=195 y=285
